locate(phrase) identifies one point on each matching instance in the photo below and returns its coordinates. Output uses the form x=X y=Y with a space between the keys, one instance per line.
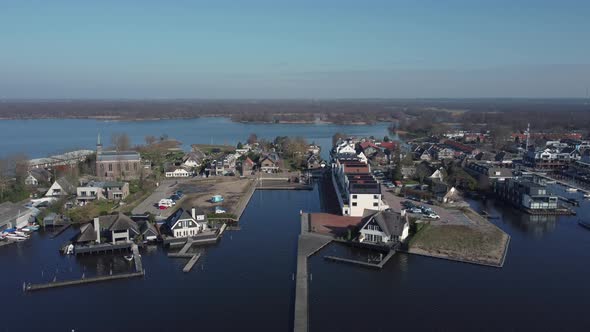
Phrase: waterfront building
x=115 y=228
x=13 y=215
x=527 y=193
x=385 y=228
x=247 y=166
x=113 y=165
x=185 y=224
x=224 y=165
x=356 y=188
x=102 y=190
x=487 y=173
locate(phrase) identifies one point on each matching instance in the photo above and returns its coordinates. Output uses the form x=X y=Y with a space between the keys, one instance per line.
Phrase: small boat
x=70 y=249
x=571 y=190
x=586 y=195
x=33 y=227
x=16 y=237
x=128 y=257
x=585 y=224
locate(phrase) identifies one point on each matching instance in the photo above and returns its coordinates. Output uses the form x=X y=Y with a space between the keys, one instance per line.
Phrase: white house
x=178 y=172
x=345 y=147
x=437 y=175
x=193 y=159
x=185 y=224
x=385 y=227
x=61 y=187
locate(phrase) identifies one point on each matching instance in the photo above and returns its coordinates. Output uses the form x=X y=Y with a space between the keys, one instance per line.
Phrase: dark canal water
x=543 y=286
x=245 y=283
x=40 y=138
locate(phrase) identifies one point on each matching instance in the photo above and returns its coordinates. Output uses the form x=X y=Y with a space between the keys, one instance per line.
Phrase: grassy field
x=212 y=148
x=91 y=210
x=477 y=244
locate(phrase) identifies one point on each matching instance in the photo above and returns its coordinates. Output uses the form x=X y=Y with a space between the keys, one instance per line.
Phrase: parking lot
x=447 y=216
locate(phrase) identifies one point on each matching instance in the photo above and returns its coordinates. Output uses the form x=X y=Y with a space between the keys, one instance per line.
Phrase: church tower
x=98 y=145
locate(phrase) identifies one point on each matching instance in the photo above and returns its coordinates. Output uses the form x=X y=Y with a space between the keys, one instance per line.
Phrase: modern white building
x=356 y=189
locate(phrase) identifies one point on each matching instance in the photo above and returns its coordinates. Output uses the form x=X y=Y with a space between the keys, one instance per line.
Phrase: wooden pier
x=361 y=263
x=61 y=229
x=102 y=248
x=82 y=281
x=189 y=266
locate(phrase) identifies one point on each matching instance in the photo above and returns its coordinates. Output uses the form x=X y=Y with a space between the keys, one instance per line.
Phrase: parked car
x=433 y=215
x=174 y=197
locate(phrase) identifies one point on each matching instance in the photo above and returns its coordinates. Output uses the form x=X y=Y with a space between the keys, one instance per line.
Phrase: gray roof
x=118 y=156
x=145 y=227
x=118 y=222
x=66 y=185
x=390 y=222
x=87 y=233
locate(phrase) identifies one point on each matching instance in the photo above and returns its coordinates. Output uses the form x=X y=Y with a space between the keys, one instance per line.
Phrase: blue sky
x=294 y=49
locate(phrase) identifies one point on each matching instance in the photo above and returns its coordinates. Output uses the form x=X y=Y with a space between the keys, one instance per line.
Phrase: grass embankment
x=91 y=210
x=476 y=244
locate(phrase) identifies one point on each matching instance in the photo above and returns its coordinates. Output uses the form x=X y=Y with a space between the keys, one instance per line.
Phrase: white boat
x=128 y=257
x=70 y=249
x=586 y=195
x=16 y=237
x=21 y=233
x=571 y=190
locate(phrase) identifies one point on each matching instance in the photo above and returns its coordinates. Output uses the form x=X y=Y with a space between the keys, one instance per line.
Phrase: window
x=375 y=204
x=110 y=167
x=353 y=203
x=375 y=196
x=354 y=196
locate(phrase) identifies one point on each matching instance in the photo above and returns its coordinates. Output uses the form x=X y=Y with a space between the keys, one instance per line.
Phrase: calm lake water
x=244 y=283
x=40 y=138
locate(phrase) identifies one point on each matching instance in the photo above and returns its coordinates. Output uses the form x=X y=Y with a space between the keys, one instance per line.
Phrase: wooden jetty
x=82 y=281
x=357 y=262
x=102 y=248
x=188 y=267
x=61 y=229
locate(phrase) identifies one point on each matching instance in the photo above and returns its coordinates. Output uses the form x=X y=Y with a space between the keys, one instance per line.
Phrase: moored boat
x=571 y=190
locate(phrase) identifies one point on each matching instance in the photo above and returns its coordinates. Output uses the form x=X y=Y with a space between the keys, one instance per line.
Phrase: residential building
x=487 y=173
x=528 y=193
x=356 y=188
x=186 y=224
x=547 y=158
x=193 y=159
x=60 y=188
x=113 y=165
x=385 y=228
x=178 y=172
x=114 y=228
x=102 y=190
x=315 y=162
x=270 y=163
x=247 y=166
x=37 y=176
x=224 y=165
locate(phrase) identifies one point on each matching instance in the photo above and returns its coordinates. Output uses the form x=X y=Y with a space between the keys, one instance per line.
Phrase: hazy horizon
x=226 y=50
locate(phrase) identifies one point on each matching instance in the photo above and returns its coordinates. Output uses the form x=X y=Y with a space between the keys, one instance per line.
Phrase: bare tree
x=149 y=140
x=253 y=138
x=121 y=141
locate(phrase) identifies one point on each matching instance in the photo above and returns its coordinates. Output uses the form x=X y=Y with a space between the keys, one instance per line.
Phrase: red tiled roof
x=389 y=145
x=332 y=224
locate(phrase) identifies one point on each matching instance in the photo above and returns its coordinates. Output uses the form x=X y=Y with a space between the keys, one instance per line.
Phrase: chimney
x=97 y=229
x=193 y=213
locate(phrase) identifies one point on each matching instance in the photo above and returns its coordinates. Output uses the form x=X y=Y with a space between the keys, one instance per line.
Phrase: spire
x=98 y=140
x=98 y=145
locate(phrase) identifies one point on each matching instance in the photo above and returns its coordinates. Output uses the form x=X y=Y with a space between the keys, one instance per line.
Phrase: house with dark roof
x=37 y=176
x=193 y=159
x=61 y=187
x=147 y=230
x=114 y=228
x=184 y=223
x=314 y=162
x=385 y=228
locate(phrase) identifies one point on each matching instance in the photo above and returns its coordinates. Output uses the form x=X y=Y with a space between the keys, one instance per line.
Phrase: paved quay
x=308 y=244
